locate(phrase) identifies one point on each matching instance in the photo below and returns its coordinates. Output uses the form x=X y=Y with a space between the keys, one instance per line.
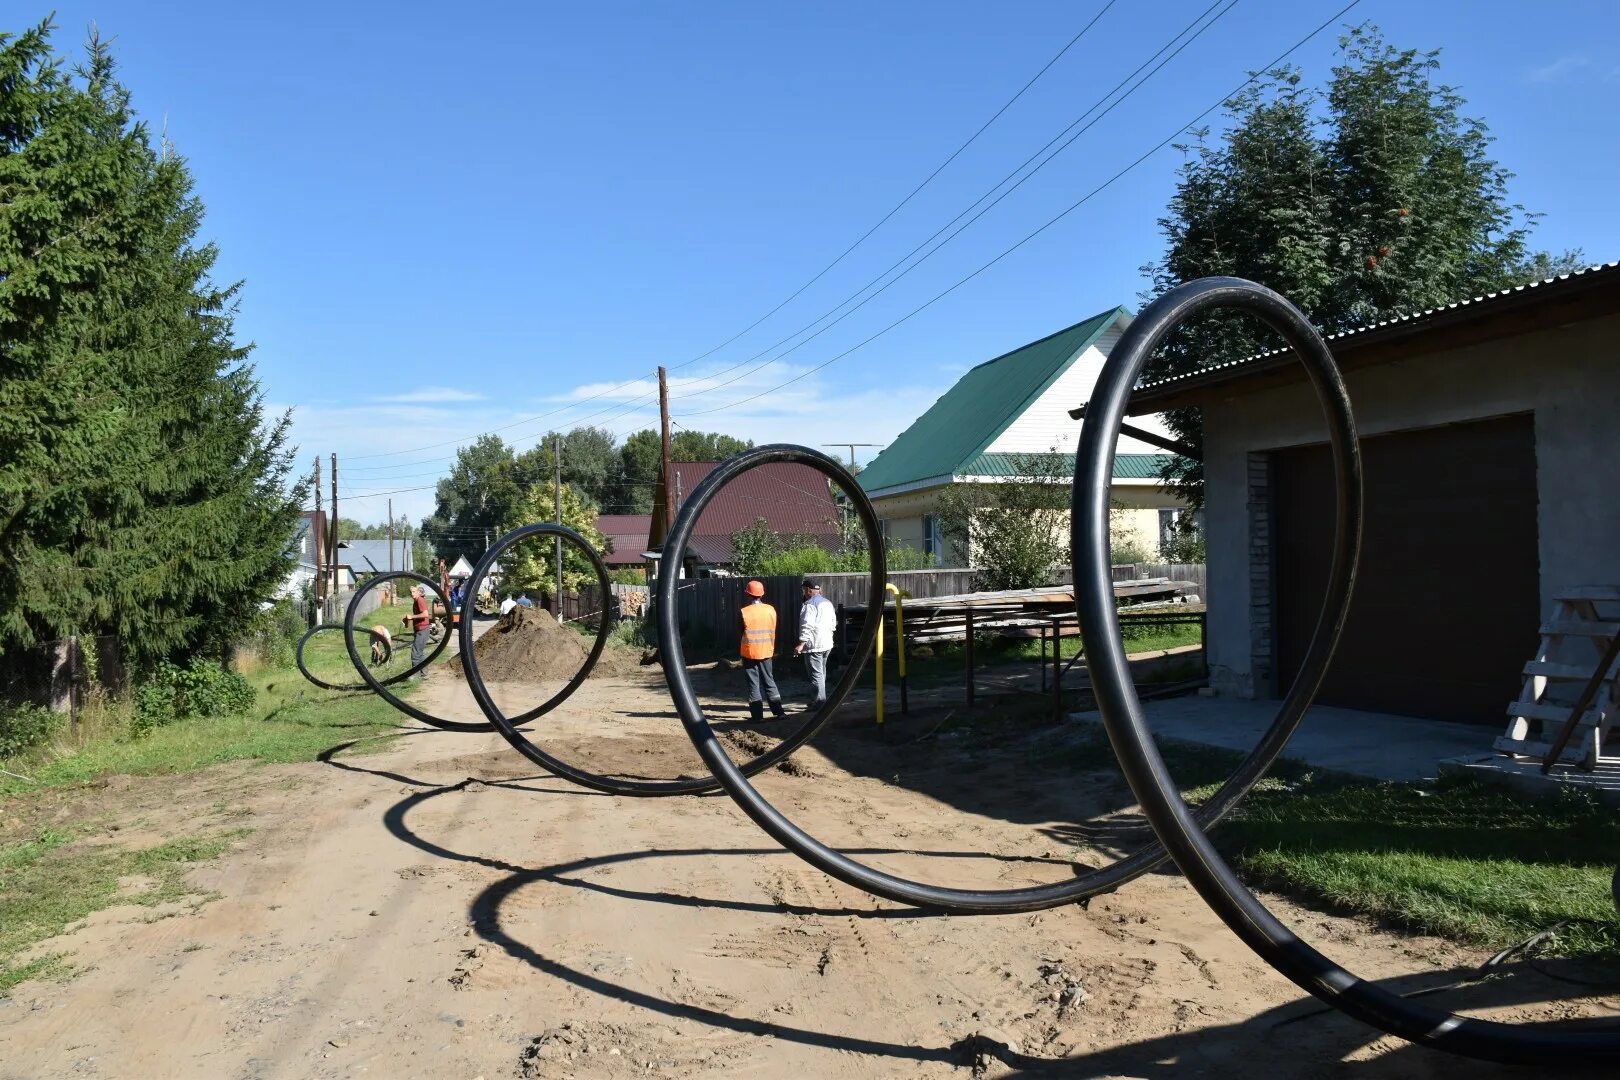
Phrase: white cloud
x=433 y=394
x=1559 y=70
x=394 y=444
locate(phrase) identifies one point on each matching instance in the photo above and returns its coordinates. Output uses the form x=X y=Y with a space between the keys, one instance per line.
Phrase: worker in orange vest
x=758 y=646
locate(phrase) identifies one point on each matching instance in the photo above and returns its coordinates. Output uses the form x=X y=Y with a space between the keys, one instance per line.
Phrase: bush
x=273 y=633
x=204 y=688
x=628 y=575
x=635 y=633
x=23 y=727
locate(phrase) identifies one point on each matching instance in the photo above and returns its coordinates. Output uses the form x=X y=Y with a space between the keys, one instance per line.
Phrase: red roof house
x=794 y=501
x=627 y=533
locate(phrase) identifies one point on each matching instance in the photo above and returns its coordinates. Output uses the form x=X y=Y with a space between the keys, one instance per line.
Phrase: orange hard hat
x=755 y=588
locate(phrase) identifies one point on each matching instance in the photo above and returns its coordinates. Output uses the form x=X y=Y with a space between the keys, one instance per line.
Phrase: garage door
x=1446 y=606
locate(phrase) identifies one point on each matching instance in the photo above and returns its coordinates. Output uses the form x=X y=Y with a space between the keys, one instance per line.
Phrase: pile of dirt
x=528 y=645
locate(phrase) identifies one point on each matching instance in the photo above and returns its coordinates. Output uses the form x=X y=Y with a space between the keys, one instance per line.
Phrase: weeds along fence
x=62 y=675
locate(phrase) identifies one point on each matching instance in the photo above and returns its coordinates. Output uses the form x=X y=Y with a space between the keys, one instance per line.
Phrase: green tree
x=475 y=500
x=143 y=490
x=1372 y=198
x=1015 y=530
x=753 y=546
x=530 y=565
x=639 y=457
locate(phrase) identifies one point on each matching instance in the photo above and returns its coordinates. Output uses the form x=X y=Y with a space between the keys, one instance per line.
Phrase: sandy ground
x=439 y=910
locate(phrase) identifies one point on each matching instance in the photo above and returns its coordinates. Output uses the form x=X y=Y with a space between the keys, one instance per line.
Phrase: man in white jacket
x=818 y=618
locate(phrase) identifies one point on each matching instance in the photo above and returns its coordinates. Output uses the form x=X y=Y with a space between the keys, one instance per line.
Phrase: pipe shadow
x=329 y=757
x=1291 y=1051
x=394 y=819
x=1230 y=1049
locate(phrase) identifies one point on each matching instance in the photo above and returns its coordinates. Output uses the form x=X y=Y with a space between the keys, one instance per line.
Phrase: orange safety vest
x=759 y=632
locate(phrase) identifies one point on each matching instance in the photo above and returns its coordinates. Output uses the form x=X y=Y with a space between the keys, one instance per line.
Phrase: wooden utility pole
x=331 y=536
x=852 y=446
x=663 y=423
x=556 y=466
x=317 y=539
x=390 y=536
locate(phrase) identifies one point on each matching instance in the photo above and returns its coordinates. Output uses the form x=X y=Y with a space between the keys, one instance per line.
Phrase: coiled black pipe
x=673 y=554
x=349 y=624
x=890 y=886
x=391 y=680
x=1177 y=827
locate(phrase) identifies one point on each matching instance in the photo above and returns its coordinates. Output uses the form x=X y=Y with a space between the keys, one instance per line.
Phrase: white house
x=1002 y=412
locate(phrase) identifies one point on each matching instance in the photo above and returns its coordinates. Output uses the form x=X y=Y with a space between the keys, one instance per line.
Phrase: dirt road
x=438 y=910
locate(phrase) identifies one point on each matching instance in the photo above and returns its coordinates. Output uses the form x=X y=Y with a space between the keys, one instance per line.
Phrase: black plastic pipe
x=1177 y=827
x=1085 y=884
x=350 y=619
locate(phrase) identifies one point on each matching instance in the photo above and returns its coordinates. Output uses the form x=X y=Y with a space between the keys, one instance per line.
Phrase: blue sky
x=449 y=223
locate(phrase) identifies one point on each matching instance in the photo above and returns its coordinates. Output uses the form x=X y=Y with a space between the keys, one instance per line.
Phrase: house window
x=1167 y=526
x=931 y=546
x=1175 y=525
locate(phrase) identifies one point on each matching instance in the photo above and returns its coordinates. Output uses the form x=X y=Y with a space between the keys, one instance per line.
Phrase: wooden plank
x=1547 y=669
x=1580 y=628
x=1573 y=753
x=1590 y=592
x=1535 y=710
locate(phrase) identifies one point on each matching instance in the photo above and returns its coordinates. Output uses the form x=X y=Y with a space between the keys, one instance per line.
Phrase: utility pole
x=556 y=465
x=852 y=446
x=390 y=536
x=317 y=539
x=663 y=422
x=331 y=539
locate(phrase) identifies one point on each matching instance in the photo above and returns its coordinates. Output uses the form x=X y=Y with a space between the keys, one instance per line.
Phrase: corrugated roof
x=794 y=500
x=627 y=533
x=1399 y=320
x=1126 y=466
x=969 y=416
x=362 y=556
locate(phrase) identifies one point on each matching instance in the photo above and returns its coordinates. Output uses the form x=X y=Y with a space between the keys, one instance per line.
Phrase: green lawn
x=1460 y=859
x=291 y=720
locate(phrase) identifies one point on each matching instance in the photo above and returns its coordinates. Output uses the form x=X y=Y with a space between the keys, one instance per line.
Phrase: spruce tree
x=143 y=491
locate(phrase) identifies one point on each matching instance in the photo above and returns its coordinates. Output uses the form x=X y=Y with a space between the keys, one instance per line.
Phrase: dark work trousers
x=762 y=687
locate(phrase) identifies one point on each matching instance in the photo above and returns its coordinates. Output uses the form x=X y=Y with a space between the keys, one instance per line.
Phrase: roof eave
x=1539 y=306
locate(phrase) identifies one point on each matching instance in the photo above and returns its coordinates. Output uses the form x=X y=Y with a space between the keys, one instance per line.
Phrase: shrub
x=203 y=688
x=635 y=633
x=25 y=726
x=628 y=575
x=273 y=633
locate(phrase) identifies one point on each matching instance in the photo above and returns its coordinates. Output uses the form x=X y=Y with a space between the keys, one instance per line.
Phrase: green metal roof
x=981 y=405
x=1126 y=466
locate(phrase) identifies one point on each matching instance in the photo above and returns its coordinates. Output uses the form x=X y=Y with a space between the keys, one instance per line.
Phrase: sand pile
x=528 y=646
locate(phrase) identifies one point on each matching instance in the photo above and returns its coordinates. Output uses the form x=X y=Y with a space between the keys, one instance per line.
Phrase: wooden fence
x=1191 y=572
x=710 y=606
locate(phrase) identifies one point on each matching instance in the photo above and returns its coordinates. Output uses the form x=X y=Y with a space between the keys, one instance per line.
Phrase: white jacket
x=818 y=618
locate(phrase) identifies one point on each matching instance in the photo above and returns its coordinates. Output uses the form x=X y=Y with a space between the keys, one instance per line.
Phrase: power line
x=1049 y=223
x=1192 y=28
x=819 y=274
x=909 y=195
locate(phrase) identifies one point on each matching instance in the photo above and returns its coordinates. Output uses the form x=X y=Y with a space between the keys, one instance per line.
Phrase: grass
x=1458 y=859
x=290 y=721
x=944 y=663
x=52 y=881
